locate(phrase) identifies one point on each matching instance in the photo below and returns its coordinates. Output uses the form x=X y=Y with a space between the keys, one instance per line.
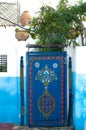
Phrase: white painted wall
x=8 y=43
x=13 y=49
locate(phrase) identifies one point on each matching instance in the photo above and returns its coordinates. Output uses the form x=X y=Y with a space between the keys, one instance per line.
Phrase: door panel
x=47 y=89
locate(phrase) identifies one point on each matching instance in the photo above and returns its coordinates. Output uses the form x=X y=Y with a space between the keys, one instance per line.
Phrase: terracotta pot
x=25 y=18
x=21 y=35
x=6 y=126
x=73 y=34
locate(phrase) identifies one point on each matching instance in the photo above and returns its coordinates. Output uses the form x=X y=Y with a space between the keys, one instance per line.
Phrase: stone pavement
x=41 y=128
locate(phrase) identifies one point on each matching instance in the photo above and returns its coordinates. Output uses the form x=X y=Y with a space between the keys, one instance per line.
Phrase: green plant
x=75 y=16
x=54 y=26
x=47 y=29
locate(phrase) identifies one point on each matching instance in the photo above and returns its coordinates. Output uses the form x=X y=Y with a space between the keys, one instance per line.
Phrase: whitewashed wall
x=10 y=80
x=79 y=87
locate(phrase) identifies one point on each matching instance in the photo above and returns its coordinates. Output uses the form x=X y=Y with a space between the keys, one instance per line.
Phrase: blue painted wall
x=10 y=80
x=9 y=100
x=79 y=101
x=79 y=88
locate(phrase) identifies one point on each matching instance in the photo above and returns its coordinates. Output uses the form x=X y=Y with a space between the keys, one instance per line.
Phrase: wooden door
x=47 y=88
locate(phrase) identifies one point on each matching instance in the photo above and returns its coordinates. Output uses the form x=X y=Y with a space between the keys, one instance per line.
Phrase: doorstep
x=41 y=128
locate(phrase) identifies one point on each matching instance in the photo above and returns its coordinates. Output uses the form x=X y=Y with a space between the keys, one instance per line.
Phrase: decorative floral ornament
x=37 y=64
x=55 y=65
x=46 y=76
x=46 y=104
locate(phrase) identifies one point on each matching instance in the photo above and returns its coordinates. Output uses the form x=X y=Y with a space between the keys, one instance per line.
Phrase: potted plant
x=47 y=29
x=58 y=26
x=21 y=34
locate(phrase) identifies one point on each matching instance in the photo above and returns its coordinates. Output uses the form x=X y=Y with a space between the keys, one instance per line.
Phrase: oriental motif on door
x=47 y=89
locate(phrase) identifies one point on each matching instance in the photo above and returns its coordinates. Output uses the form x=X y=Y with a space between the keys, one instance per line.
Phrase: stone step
x=41 y=128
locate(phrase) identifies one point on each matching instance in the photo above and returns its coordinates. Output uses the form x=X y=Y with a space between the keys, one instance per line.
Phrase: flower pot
x=25 y=18
x=21 y=35
x=6 y=126
x=73 y=34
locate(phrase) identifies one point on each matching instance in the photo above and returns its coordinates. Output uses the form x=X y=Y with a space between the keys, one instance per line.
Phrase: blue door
x=47 y=88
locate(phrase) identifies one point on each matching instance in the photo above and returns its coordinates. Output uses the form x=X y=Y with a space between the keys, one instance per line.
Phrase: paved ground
x=52 y=128
x=9 y=126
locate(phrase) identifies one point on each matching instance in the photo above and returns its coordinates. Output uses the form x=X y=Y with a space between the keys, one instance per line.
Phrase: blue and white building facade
x=10 y=80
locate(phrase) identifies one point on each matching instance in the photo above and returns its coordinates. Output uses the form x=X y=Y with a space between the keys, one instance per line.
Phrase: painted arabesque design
x=46 y=103
x=46 y=76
